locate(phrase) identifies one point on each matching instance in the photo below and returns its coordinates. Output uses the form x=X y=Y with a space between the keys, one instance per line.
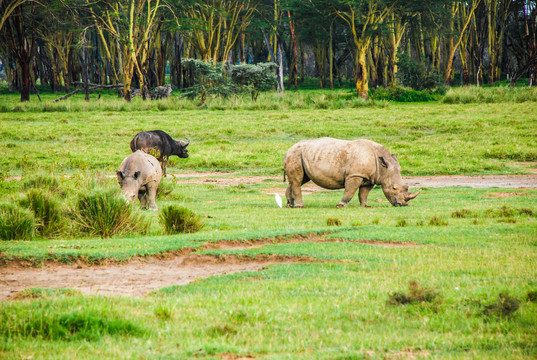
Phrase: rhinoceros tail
x=283 y=175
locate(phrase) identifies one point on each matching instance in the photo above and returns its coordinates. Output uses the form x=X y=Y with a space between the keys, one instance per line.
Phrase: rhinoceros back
x=148 y=166
x=328 y=162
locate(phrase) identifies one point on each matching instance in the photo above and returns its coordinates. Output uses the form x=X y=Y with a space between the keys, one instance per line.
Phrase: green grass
x=428 y=139
x=474 y=249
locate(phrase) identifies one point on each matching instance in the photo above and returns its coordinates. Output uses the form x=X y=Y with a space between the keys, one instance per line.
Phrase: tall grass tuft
x=179 y=219
x=48 y=215
x=42 y=182
x=107 y=213
x=48 y=323
x=499 y=94
x=15 y=223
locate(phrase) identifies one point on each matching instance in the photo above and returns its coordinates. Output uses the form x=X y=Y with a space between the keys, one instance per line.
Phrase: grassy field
x=466 y=288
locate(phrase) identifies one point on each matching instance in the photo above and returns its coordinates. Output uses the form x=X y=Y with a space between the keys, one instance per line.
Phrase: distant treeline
x=139 y=43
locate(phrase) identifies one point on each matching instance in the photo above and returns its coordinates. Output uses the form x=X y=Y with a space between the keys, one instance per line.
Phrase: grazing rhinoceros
x=139 y=176
x=160 y=144
x=336 y=164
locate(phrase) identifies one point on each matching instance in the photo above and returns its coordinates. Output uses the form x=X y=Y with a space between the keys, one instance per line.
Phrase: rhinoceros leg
x=142 y=196
x=362 y=194
x=152 y=195
x=296 y=177
x=351 y=186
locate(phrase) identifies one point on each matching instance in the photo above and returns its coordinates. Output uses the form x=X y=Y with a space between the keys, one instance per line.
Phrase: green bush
x=107 y=213
x=416 y=294
x=178 y=219
x=403 y=94
x=254 y=78
x=15 y=223
x=49 y=220
x=416 y=74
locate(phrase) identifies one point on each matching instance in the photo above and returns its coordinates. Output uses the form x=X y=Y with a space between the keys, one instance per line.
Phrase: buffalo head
x=180 y=148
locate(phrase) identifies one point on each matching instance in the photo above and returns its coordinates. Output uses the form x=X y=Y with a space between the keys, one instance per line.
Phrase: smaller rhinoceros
x=139 y=176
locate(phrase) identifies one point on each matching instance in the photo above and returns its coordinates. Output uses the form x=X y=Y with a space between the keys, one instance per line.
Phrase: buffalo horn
x=185 y=144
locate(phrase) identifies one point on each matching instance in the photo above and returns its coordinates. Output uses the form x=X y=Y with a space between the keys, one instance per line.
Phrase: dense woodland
x=141 y=44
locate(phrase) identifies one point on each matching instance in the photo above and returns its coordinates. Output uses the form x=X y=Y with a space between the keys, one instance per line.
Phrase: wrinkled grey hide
x=356 y=165
x=139 y=176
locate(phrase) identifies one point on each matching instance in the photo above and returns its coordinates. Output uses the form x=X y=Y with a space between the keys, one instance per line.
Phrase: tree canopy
x=139 y=44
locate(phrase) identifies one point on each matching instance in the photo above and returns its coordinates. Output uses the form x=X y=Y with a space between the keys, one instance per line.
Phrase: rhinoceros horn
x=409 y=196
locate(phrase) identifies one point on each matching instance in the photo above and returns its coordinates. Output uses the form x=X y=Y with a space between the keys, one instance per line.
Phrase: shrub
x=464 y=213
x=437 y=221
x=254 y=78
x=532 y=296
x=403 y=94
x=333 y=222
x=504 y=306
x=416 y=294
x=107 y=213
x=15 y=223
x=416 y=74
x=178 y=219
x=47 y=213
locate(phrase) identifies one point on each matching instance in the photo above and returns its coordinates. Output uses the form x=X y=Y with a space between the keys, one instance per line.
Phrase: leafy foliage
x=416 y=74
x=214 y=80
x=403 y=94
x=206 y=80
x=254 y=78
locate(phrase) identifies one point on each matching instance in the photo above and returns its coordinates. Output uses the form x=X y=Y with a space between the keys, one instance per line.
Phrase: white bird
x=278 y=200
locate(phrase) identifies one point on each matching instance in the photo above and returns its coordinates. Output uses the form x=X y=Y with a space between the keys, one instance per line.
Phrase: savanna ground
x=453 y=275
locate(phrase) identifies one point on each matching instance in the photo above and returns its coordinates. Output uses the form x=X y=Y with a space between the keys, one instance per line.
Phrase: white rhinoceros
x=352 y=165
x=139 y=176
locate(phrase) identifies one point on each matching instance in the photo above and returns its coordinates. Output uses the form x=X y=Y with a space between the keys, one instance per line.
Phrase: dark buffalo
x=161 y=145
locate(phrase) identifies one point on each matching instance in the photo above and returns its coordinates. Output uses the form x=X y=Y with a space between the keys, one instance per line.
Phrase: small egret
x=278 y=200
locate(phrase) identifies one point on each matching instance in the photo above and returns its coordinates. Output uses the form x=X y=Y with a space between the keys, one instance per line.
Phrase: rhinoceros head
x=392 y=183
x=130 y=184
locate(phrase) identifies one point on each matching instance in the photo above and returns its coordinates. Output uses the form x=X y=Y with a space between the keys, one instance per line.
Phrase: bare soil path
x=140 y=276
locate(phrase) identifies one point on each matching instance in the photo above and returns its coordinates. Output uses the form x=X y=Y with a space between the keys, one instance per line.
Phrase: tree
x=362 y=19
x=18 y=34
x=133 y=25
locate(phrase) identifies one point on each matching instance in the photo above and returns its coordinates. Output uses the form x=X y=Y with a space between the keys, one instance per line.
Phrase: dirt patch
x=501 y=195
x=141 y=275
x=475 y=181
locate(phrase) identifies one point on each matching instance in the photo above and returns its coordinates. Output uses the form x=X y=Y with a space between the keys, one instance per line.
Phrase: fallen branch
x=94 y=87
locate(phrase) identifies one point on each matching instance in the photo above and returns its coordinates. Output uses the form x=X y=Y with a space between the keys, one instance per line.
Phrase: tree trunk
x=25 y=80
x=362 y=84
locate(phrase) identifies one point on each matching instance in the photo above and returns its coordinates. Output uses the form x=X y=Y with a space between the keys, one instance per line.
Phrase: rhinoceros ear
x=383 y=162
